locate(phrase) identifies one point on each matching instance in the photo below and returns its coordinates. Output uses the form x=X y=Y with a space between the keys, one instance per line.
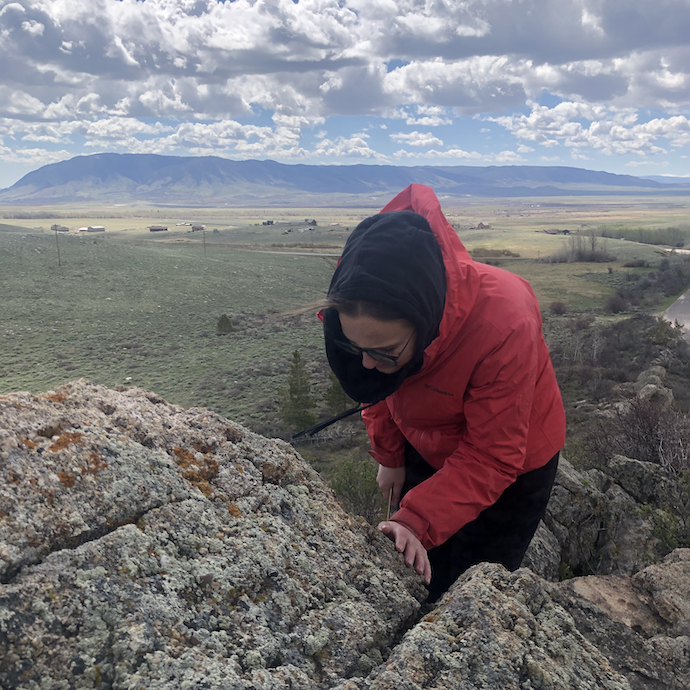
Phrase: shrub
x=484 y=252
x=616 y=304
x=354 y=483
x=224 y=325
x=558 y=308
x=581 y=249
x=650 y=430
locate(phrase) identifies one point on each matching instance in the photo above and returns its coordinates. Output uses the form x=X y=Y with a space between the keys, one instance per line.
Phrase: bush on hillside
x=224 y=325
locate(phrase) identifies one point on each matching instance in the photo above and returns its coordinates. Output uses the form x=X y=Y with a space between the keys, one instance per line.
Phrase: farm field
x=131 y=307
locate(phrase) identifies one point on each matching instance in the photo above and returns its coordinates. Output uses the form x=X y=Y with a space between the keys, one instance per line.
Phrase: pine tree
x=337 y=400
x=296 y=400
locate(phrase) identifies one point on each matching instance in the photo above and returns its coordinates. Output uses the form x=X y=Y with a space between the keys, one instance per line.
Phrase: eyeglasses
x=377 y=356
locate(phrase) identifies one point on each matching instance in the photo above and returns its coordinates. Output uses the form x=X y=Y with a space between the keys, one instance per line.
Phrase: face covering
x=393 y=260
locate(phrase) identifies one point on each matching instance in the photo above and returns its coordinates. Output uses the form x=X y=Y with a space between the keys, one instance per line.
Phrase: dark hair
x=375 y=310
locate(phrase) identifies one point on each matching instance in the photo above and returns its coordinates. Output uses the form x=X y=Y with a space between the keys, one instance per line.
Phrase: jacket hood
x=391 y=259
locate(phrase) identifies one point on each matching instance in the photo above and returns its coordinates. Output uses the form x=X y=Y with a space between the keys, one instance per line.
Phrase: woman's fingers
x=414 y=554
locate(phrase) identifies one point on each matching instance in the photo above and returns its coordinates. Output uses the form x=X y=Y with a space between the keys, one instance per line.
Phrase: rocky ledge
x=143 y=545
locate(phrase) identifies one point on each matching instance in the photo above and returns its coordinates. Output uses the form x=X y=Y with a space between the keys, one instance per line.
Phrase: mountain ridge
x=210 y=180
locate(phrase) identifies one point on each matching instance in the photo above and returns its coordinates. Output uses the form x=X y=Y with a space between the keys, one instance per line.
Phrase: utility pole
x=57 y=243
x=204 y=232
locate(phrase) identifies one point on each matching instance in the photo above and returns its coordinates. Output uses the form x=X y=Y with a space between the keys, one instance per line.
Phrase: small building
x=82 y=229
x=483 y=226
x=310 y=221
x=197 y=227
x=157 y=228
x=59 y=228
x=95 y=228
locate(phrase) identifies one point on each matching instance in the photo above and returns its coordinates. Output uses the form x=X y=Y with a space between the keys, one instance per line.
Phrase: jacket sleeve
x=387 y=441
x=491 y=451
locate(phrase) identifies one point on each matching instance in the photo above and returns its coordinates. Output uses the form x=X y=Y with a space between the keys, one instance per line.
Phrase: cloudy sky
x=598 y=84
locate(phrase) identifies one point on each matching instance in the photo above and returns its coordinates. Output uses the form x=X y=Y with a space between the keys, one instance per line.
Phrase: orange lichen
x=28 y=442
x=197 y=472
x=65 y=440
x=67 y=479
x=93 y=464
x=56 y=397
x=234 y=510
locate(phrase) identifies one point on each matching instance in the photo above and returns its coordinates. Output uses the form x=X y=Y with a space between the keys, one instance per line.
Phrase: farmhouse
x=95 y=228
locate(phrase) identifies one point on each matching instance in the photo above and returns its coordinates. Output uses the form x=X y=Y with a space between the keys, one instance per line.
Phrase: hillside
x=210 y=181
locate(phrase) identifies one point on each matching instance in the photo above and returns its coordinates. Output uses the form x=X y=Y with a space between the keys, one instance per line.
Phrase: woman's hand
x=408 y=545
x=391 y=478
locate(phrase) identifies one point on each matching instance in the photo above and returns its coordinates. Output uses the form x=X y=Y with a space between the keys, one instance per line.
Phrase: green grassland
x=130 y=307
x=135 y=313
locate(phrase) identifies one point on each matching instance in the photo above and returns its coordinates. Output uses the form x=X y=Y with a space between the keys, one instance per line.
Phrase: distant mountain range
x=212 y=181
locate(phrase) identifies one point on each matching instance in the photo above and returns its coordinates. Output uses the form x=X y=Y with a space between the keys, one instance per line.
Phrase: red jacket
x=485 y=406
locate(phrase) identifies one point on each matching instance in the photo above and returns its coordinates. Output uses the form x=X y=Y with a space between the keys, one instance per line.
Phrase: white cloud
x=450 y=154
x=33 y=28
x=608 y=130
x=509 y=157
x=33 y=157
x=355 y=146
x=296 y=121
x=429 y=64
x=18 y=102
x=417 y=139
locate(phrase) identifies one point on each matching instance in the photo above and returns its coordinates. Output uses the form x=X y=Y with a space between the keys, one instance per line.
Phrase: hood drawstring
x=322 y=425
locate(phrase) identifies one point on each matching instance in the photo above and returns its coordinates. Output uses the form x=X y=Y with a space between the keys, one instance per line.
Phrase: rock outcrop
x=147 y=546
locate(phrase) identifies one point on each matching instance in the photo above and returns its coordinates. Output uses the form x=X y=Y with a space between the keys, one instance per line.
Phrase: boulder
x=600 y=527
x=639 y=623
x=143 y=545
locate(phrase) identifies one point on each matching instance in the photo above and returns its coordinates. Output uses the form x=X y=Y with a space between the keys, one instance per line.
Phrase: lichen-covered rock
x=147 y=546
x=543 y=555
x=495 y=630
x=644 y=481
x=640 y=623
x=600 y=527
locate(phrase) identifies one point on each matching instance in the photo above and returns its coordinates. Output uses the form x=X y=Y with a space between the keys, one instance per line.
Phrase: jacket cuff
x=417 y=525
x=388 y=460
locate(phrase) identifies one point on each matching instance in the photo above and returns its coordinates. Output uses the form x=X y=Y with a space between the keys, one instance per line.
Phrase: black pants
x=500 y=534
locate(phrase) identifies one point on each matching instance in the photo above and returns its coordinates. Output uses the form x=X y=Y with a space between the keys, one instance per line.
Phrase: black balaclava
x=391 y=259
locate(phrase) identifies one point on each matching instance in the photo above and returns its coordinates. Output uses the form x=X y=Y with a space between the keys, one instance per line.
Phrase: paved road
x=680 y=311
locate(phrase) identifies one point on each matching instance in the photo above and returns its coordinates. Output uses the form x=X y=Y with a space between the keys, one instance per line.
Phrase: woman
x=463 y=410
